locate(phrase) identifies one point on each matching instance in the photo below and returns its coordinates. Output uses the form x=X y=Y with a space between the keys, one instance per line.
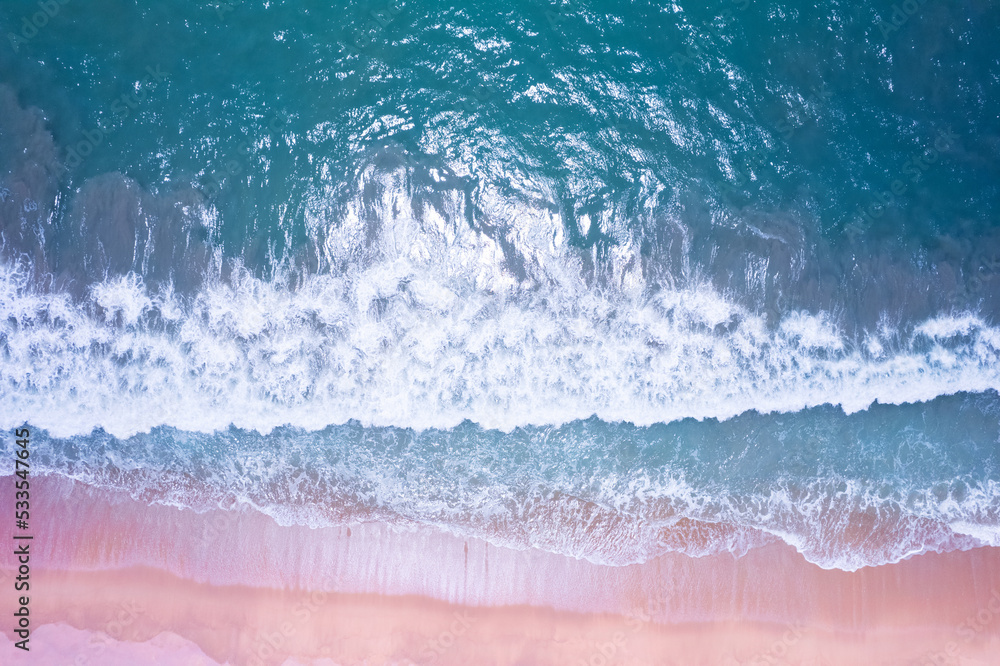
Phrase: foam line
x=400 y=349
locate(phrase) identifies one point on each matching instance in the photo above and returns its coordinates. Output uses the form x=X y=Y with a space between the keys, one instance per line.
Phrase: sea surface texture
x=605 y=279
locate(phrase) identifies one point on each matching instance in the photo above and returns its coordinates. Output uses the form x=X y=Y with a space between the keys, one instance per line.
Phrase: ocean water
x=608 y=280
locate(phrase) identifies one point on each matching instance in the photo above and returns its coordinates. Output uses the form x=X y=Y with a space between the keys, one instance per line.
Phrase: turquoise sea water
x=703 y=276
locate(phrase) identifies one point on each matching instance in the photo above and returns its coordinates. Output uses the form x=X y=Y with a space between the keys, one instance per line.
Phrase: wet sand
x=157 y=584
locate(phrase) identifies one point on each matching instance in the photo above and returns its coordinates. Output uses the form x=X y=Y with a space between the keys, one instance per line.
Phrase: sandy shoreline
x=110 y=574
x=248 y=626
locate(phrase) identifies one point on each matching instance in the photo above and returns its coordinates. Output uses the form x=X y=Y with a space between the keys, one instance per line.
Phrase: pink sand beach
x=115 y=581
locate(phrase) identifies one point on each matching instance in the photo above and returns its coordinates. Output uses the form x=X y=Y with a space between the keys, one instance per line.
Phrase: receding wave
x=850 y=491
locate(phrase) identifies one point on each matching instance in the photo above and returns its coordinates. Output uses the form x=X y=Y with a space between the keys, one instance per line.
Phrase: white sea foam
x=397 y=345
x=418 y=319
